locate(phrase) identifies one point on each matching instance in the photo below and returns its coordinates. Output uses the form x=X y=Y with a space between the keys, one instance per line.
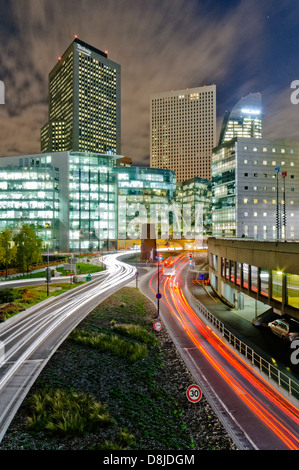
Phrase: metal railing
x=264 y=366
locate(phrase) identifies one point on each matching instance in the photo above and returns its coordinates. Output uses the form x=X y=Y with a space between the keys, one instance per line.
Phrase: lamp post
x=158 y=296
x=284 y=219
x=277 y=169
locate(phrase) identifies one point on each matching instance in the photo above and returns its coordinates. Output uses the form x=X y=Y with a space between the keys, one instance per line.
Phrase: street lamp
x=158 y=296
x=277 y=169
x=284 y=219
x=48 y=272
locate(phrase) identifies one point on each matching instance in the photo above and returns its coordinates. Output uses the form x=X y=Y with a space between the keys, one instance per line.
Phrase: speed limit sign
x=158 y=325
x=193 y=393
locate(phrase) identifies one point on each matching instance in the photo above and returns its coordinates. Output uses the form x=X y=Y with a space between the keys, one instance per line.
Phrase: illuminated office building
x=255 y=189
x=84 y=103
x=144 y=195
x=244 y=120
x=183 y=131
x=73 y=198
x=194 y=196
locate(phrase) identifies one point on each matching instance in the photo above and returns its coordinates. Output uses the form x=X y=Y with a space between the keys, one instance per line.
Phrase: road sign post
x=137 y=274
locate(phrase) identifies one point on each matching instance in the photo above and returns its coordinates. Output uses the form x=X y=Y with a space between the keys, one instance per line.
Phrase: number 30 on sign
x=194 y=393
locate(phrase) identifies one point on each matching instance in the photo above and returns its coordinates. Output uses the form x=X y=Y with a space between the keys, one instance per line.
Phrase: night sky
x=241 y=46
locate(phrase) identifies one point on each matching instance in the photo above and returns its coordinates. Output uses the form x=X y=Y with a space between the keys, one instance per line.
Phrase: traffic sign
x=136 y=274
x=158 y=296
x=157 y=325
x=194 y=393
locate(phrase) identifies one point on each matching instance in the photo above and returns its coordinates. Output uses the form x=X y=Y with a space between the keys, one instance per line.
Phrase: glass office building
x=244 y=120
x=224 y=190
x=84 y=102
x=194 y=197
x=30 y=195
x=75 y=199
x=144 y=195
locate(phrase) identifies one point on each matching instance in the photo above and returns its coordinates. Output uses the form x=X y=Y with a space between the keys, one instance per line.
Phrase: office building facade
x=255 y=189
x=183 y=131
x=194 y=197
x=76 y=199
x=84 y=103
x=244 y=120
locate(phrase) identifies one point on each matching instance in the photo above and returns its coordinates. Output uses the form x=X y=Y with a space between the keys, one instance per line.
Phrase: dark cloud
x=160 y=44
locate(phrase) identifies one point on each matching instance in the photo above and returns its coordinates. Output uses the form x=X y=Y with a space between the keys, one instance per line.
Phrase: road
x=32 y=337
x=254 y=414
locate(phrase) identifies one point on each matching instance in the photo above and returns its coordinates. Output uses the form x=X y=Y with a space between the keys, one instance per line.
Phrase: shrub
x=113 y=344
x=66 y=412
x=7 y=295
x=134 y=331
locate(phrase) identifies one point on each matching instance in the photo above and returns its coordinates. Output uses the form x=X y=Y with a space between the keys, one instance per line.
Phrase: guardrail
x=264 y=366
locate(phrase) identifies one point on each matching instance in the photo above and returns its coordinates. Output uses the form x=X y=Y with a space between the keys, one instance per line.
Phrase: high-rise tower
x=244 y=120
x=183 y=131
x=84 y=102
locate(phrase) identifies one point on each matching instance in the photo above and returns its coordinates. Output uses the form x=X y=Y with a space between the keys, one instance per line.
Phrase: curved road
x=31 y=338
x=254 y=413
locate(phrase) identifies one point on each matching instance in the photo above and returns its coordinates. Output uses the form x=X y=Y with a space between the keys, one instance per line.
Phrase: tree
x=7 y=250
x=29 y=247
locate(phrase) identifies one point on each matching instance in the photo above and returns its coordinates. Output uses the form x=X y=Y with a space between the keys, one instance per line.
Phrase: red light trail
x=279 y=415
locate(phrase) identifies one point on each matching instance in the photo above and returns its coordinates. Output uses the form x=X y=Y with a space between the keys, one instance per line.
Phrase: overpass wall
x=265 y=270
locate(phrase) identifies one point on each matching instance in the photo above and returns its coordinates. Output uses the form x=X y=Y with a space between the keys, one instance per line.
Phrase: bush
x=113 y=344
x=134 y=331
x=66 y=413
x=7 y=295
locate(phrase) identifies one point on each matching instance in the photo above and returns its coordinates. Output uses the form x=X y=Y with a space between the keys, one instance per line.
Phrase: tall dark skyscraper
x=84 y=102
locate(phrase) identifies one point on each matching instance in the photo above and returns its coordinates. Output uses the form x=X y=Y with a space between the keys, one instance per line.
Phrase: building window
x=238 y=273
x=277 y=285
x=292 y=290
x=253 y=278
x=245 y=275
x=264 y=282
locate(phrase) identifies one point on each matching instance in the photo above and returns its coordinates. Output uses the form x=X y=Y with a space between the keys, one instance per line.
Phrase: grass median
x=114 y=384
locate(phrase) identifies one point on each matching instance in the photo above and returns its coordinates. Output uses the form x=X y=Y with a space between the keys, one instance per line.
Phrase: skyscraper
x=244 y=120
x=84 y=102
x=183 y=131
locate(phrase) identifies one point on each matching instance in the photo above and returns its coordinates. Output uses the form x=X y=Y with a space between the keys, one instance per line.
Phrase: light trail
x=260 y=397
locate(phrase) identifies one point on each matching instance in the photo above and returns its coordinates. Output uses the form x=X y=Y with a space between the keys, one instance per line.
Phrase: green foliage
x=114 y=344
x=66 y=413
x=134 y=331
x=7 y=249
x=7 y=295
x=29 y=247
